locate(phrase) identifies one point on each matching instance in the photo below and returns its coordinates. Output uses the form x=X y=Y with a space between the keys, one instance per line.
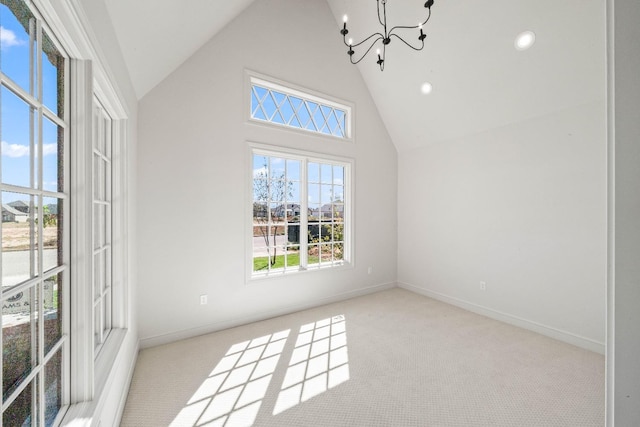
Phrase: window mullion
x=304 y=213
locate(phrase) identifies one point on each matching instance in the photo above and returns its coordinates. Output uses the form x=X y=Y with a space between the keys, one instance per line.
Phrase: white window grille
x=285 y=106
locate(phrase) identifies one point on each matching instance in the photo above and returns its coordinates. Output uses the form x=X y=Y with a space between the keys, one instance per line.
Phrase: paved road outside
x=15 y=265
x=259 y=245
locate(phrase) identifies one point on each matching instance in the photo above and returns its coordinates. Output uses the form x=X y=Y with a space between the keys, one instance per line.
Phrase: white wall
x=194 y=171
x=522 y=208
x=623 y=340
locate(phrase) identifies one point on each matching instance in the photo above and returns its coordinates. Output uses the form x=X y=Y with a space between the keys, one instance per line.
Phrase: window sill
x=255 y=278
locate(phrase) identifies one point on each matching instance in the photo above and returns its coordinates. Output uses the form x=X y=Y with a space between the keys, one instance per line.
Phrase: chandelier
x=385 y=36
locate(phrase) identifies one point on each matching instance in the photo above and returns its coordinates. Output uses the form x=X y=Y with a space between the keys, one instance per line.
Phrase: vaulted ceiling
x=480 y=81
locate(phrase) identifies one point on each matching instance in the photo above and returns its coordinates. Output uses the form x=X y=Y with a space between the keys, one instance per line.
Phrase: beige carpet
x=393 y=358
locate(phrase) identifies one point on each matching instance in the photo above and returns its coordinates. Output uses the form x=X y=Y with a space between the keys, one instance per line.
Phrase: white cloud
x=8 y=38
x=48 y=149
x=17 y=150
x=260 y=172
x=50 y=185
x=14 y=150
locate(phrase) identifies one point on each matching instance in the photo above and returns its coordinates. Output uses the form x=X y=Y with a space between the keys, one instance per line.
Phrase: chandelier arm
x=405 y=27
x=367 y=51
x=407 y=43
x=380 y=36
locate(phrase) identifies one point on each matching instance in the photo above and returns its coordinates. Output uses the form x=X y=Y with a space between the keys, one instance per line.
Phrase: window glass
x=279 y=241
x=17 y=34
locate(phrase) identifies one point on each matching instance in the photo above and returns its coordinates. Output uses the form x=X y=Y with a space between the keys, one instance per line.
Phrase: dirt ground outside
x=15 y=236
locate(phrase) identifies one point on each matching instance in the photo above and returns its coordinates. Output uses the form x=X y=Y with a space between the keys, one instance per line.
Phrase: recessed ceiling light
x=525 y=40
x=426 y=88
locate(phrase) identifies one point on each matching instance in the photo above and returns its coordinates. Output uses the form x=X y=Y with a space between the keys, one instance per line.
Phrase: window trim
x=89 y=371
x=251 y=77
x=349 y=197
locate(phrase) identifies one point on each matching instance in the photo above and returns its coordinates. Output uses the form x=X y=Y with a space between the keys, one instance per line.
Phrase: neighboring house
x=20 y=205
x=327 y=209
x=259 y=210
x=290 y=210
x=10 y=214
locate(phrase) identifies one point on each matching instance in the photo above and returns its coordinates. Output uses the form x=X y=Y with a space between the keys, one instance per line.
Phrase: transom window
x=280 y=105
x=300 y=212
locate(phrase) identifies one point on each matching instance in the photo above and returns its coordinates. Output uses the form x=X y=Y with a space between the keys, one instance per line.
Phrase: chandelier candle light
x=386 y=37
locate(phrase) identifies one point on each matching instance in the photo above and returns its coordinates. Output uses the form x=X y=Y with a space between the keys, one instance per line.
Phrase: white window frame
x=252 y=77
x=303 y=156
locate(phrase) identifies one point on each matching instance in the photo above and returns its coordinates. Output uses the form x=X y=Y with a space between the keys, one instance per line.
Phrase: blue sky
x=15 y=113
x=325 y=181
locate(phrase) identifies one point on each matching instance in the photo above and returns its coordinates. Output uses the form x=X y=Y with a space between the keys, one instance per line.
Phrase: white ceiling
x=480 y=81
x=156 y=36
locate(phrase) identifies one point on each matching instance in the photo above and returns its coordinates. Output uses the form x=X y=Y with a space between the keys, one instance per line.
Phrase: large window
x=35 y=221
x=300 y=211
x=63 y=255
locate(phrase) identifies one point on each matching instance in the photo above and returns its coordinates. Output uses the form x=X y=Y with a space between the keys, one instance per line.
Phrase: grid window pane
x=15 y=59
x=23 y=411
x=52 y=388
x=52 y=155
x=18 y=133
x=19 y=238
x=19 y=332
x=52 y=76
x=52 y=300
x=52 y=235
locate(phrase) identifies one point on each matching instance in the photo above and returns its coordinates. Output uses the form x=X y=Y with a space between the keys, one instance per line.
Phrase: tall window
x=35 y=223
x=300 y=212
x=102 y=280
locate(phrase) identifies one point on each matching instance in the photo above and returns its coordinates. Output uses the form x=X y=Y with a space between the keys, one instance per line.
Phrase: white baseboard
x=558 y=334
x=232 y=323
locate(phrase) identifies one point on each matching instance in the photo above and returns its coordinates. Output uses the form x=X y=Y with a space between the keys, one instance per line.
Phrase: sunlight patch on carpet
x=318 y=363
x=233 y=392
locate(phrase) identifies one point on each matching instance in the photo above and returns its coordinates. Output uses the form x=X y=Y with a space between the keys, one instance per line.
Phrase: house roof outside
x=13 y=211
x=18 y=204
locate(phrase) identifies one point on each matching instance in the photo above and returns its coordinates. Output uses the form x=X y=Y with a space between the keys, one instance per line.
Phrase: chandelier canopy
x=384 y=37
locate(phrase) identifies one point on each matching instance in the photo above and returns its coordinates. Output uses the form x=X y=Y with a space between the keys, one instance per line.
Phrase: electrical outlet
x=369 y=270
x=204 y=299
x=483 y=286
